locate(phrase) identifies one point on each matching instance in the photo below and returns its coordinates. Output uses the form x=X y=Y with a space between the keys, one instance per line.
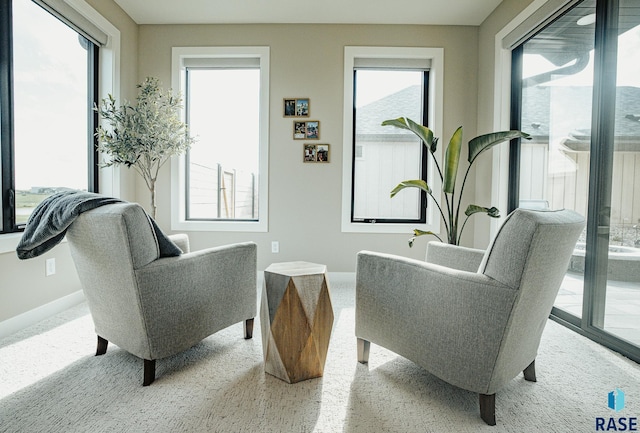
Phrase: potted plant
x=450 y=212
x=145 y=135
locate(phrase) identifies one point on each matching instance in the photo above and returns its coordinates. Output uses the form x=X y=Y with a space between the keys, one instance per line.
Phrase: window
x=49 y=76
x=221 y=183
x=381 y=84
x=393 y=155
x=577 y=92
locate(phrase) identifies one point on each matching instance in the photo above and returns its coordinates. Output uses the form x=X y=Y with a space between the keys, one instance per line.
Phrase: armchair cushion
x=454 y=256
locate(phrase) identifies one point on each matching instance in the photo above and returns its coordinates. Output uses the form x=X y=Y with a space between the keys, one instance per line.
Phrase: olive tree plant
x=144 y=135
x=450 y=210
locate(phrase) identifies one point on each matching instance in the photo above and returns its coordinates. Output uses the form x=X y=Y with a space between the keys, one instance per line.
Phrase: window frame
x=424 y=120
x=108 y=84
x=8 y=222
x=178 y=169
x=434 y=118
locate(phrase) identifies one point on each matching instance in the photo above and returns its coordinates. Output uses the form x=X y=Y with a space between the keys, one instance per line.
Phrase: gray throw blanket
x=50 y=220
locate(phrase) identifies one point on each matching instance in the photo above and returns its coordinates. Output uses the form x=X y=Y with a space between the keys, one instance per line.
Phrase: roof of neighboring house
x=569 y=108
x=404 y=103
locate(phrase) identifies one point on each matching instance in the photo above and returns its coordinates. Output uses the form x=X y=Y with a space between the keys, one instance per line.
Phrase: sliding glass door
x=577 y=92
x=617 y=298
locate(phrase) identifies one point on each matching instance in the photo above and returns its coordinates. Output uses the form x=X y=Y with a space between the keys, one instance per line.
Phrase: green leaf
x=493 y=212
x=416 y=183
x=434 y=145
x=487 y=141
x=417 y=233
x=452 y=160
x=424 y=133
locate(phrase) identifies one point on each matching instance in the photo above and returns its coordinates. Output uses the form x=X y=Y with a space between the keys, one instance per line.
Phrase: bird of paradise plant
x=450 y=212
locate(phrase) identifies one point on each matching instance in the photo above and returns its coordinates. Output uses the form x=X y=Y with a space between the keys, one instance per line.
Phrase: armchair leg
x=149 y=372
x=488 y=408
x=530 y=372
x=102 y=346
x=248 y=329
x=363 y=350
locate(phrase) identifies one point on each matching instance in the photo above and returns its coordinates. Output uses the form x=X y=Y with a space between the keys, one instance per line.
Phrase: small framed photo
x=299 y=130
x=310 y=152
x=322 y=153
x=302 y=107
x=309 y=130
x=313 y=130
x=316 y=153
x=289 y=108
x=296 y=107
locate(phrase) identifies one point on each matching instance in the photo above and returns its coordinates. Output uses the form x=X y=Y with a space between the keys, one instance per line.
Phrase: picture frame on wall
x=302 y=107
x=309 y=130
x=313 y=129
x=316 y=153
x=296 y=107
x=299 y=130
x=309 y=153
x=322 y=153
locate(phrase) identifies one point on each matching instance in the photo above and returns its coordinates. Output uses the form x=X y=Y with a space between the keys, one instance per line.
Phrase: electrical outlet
x=275 y=247
x=50 y=267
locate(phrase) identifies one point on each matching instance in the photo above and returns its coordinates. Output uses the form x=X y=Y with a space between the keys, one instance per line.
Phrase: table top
x=293 y=269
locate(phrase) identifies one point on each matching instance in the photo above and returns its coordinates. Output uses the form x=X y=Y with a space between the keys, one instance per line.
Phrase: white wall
x=307 y=61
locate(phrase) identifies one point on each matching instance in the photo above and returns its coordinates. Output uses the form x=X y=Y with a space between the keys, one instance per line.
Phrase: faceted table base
x=296 y=318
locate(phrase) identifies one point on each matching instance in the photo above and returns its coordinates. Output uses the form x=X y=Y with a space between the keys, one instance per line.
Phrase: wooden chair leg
x=248 y=329
x=102 y=346
x=530 y=372
x=149 y=372
x=363 y=350
x=488 y=408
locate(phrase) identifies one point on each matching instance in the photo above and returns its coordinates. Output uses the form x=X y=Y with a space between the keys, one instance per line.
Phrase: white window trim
x=178 y=173
x=435 y=108
x=109 y=84
x=109 y=180
x=502 y=109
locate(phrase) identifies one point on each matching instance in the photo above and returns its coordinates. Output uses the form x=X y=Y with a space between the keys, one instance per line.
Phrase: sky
x=374 y=85
x=50 y=99
x=226 y=133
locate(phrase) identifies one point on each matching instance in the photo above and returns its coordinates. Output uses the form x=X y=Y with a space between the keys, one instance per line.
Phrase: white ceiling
x=446 y=12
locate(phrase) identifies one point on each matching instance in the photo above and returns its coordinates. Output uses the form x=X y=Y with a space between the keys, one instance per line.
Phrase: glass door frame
x=591 y=324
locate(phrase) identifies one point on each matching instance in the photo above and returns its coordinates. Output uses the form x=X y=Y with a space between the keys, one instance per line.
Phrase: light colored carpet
x=51 y=382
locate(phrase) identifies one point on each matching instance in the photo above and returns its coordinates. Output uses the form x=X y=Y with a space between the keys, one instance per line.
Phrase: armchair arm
x=438 y=317
x=182 y=241
x=454 y=256
x=216 y=287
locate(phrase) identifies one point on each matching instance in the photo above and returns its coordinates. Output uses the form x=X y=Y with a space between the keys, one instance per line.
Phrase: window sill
x=407 y=229
x=9 y=242
x=219 y=226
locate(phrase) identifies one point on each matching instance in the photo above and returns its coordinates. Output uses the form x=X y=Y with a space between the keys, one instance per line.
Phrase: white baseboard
x=342 y=276
x=24 y=320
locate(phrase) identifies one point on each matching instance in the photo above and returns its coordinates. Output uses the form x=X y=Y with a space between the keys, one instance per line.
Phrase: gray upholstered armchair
x=472 y=318
x=153 y=306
